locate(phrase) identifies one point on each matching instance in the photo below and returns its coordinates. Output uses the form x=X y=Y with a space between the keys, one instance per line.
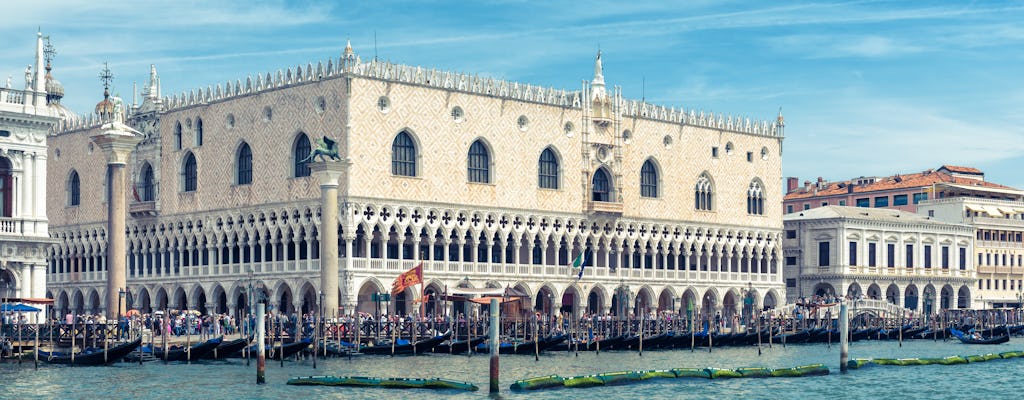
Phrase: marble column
x=117 y=141
x=328 y=173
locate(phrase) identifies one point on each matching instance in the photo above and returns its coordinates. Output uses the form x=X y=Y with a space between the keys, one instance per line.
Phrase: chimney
x=807 y=185
x=792 y=183
x=849 y=188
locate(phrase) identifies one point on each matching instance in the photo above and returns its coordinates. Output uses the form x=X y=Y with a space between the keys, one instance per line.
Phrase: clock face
x=602 y=153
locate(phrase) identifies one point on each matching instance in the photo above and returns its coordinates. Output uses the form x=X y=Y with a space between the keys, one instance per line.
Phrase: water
x=233 y=380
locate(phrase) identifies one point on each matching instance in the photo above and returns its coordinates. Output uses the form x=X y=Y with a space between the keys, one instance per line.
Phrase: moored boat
x=95 y=356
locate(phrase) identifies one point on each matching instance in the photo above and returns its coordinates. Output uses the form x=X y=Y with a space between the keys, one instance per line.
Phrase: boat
x=459 y=346
x=605 y=343
x=529 y=347
x=278 y=352
x=226 y=349
x=91 y=356
x=795 y=337
x=965 y=339
x=404 y=347
x=181 y=353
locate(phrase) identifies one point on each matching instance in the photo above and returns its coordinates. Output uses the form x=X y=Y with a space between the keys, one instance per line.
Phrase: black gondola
x=226 y=349
x=91 y=356
x=459 y=346
x=278 y=352
x=606 y=343
x=181 y=353
x=969 y=340
x=525 y=347
x=795 y=337
x=422 y=346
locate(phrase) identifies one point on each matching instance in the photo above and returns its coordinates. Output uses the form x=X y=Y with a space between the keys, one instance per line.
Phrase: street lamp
x=120 y=299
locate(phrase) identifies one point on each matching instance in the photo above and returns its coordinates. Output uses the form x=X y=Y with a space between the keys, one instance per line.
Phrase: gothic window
x=755 y=199
x=601 y=186
x=188 y=173
x=403 y=155
x=199 y=132
x=302 y=149
x=244 y=165
x=177 y=135
x=74 y=189
x=6 y=190
x=547 y=170
x=479 y=163
x=648 y=180
x=146 y=184
x=704 y=193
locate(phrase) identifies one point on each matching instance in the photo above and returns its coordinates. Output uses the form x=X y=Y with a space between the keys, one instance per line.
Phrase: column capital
x=328 y=172
x=117 y=142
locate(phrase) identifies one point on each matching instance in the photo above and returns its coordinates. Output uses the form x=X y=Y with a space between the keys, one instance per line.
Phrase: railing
x=12 y=96
x=12 y=226
x=884 y=271
x=603 y=207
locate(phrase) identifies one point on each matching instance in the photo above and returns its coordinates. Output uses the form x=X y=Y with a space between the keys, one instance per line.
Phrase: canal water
x=998 y=379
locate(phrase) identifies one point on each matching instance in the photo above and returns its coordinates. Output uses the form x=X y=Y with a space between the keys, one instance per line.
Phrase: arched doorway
x=947 y=300
x=666 y=302
x=963 y=297
x=892 y=294
x=824 y=290
x=874 y=292
x=594 y=303
x=854 y=291
x=601 y=186
x=569 y=302
x=910 y=297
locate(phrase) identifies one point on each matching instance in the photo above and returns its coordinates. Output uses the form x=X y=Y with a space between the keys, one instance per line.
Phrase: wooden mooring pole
x=261 y=355
x=844 y=336
x=495 y=343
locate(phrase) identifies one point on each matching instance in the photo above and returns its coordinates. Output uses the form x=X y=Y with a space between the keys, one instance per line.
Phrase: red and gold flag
x=409 y=278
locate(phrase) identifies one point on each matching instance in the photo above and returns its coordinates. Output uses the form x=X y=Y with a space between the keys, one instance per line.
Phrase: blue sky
x=867 y=87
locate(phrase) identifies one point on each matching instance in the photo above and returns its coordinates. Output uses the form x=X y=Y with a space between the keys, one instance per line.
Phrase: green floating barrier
x=691 y=373
x=952 y=360
x=543 y=382
x=991 y=356
x=654 y=374
x=805 y=370
x=975 y=359
x=1011 y=354
x=719 y=373
x=614 y=378
x=394 y=383
x=583 y=381
x=858 y=363
x=886 y=361
x=754 y=372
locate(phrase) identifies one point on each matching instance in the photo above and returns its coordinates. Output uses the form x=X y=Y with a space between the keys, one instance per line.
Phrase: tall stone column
x=328 y=173
x=117 y=141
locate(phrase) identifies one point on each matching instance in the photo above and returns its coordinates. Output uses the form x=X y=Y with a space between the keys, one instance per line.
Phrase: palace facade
x=487 y=183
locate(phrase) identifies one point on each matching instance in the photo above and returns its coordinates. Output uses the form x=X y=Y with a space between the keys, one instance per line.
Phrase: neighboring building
x=901 y=192
x=489 y=183
x=998 y=217
x=908 y=259
x=26 y=116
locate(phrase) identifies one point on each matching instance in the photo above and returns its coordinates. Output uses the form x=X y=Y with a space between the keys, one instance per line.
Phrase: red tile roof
x=909 y=181
x=962 y=170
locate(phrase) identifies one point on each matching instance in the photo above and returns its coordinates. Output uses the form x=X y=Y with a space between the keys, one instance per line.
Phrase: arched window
x=704 y=193
x=602 y=186
x=755 y=199
x=300 y=153
x=188 y=173
x=403 y=155
x=6 y=190
x=146 y=184
x=199 y=132
x=648 y=180
x=547 y=170
x=479 y=163
x=177 y=135
x=243 y=173
x=74 y=189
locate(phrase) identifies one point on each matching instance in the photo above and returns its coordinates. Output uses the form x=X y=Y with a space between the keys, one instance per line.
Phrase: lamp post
x=120 y=299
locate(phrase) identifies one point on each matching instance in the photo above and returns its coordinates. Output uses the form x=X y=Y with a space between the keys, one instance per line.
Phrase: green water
x=996 y=379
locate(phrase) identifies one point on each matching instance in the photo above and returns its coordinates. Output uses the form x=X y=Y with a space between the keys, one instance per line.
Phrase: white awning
x=994 y=211
x=974 y=208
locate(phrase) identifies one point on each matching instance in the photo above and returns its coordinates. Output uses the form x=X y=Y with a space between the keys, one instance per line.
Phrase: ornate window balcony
x=143 y=209
x=603 y=207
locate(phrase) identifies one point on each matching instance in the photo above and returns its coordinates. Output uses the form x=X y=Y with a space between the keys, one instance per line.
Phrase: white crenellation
x=448 y=80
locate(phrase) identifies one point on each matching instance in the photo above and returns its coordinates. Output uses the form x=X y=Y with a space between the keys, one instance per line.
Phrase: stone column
x=117 y=142
x=328 y=173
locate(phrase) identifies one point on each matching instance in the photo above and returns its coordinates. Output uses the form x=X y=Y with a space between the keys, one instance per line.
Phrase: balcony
x=602 y=207
x=142 y=209
x=12 y=226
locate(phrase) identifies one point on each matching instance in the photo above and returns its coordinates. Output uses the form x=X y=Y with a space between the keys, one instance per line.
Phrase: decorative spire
x=106 y=109
x=780 y=120
x=598 y=70
x=48 y=53
x=599 y=96
x=152 y=90
x=348 y=48
x=39 y=78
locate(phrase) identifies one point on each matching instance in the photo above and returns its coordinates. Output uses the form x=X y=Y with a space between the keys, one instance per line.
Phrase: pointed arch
x=755 y=197
x=601 y=185
x=74 y=189
x=188 y=173
x=649 y=179
x=478 y=162
x=548 y=169
x=300 y=150
x=403 y=155
x=145 y=184
x=199 y=132
x=243 y=164
x=177 y=135
x=704 y=193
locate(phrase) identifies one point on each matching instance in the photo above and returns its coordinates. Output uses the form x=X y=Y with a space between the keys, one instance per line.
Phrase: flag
x=409 y=278
x=578 y=263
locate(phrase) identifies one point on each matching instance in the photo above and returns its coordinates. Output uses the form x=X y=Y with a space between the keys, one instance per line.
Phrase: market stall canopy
x=29 y=300
x=18 y=308
x=501 y=299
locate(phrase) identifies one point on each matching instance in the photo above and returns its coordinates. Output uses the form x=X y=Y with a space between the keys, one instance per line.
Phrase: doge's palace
x=487 y=183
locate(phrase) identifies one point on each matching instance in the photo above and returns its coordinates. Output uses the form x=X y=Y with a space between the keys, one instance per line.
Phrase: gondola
x=795 y=337
x=422 y=346
x=529 y=347
x=181 y=353
x=861 y=334
x=459 y=346
x=277 y=352
x=968 y=340
x=606 y=343
x=92 y=356
x=226 y=349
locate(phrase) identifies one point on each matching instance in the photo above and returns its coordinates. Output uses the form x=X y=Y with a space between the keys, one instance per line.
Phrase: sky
x=868 y=88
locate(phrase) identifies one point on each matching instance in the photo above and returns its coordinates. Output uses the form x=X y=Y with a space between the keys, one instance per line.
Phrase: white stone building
x=488 y=183
x=26 y=115
x=909 y=259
